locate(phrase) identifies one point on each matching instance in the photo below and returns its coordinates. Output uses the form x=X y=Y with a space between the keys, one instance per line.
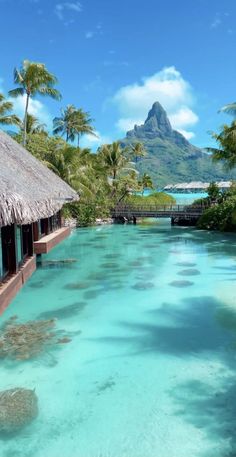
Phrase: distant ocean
x=181 y=199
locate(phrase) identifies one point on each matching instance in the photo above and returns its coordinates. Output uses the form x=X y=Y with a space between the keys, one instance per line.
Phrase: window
x=8 y=250
x=19 y=244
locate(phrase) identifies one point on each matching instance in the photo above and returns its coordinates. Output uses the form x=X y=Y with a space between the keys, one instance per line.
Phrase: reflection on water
x=148 y=313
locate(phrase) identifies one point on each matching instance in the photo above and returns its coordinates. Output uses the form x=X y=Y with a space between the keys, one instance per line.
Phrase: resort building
x=195 y=186
x=31 y=197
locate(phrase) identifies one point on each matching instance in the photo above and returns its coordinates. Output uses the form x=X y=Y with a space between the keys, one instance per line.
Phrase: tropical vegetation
x=221 y=215
x=72 y=123
x=103 y=178
x=116 y=172
x=6 y=118
x=33 y=79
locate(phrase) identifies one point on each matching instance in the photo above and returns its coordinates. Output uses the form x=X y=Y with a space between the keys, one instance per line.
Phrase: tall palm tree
x=33 y=79
x=83 y=124
x=137 y=151
x=73 y=123
x=146 y=182
x=113 y=159
x=5 y=117
x=64 y=125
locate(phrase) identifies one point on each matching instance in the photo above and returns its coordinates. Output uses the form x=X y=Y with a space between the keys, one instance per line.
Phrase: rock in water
x=18 y=407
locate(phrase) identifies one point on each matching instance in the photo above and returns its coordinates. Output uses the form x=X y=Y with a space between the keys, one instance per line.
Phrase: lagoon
x=150 y=369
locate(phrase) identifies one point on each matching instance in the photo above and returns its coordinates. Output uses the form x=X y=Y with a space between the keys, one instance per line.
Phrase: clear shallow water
x=152 y=373
x=187 y=199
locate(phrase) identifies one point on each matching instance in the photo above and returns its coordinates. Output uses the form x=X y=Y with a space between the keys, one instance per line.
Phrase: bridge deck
x=168 y=211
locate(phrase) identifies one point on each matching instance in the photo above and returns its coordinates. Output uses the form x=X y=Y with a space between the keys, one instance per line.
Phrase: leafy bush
x=86 y=213
x=220 y=217
x=157 y=198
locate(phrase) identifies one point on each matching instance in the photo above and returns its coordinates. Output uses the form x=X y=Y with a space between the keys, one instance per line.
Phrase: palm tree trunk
x=78 y=140
x=25 y=120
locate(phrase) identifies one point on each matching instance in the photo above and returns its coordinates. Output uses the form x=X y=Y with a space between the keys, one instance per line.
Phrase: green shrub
x=157 y=198
x=86 y=213
x=220 y=217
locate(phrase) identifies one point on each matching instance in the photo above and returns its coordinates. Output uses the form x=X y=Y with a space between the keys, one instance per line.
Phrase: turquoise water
x=183 y=199
x=151 y=368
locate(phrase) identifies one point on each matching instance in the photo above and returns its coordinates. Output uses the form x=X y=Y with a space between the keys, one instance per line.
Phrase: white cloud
x=94 y=142
x=125 y=124
x=216 y=23
x=89 y=35
x=36 y=108
x=166 y=86
x=184 y=117
x=219 y=19
x=61 y=8
x=187 y=135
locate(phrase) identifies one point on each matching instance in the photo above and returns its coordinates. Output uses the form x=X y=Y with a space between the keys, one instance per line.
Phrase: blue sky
x=115 y=58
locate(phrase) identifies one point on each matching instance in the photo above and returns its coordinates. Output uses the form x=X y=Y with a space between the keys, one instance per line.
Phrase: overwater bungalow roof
x=28 y=189
x=196 y=185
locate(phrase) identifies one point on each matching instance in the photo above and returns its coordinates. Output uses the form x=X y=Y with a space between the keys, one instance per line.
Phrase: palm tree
x=32 y=125
x=32 y=79
x=146 y=182
x=73 y=122
x=5 y=117
x=113 y=159
x=74 y=166
x=227 y=142
x=137 y=151
x=64 y=125
x=83 y=124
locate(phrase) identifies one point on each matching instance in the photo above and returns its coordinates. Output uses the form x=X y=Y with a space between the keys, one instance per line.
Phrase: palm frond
x=19 y=91
x=50 y=92
x=229 y=109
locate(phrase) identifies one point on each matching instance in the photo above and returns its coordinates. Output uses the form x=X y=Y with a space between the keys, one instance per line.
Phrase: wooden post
x=36 y=231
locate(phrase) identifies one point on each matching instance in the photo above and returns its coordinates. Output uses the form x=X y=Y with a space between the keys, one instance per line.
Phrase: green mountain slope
x=171 y=158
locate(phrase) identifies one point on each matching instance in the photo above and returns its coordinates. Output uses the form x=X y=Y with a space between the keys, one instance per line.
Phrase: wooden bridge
x=175 y=212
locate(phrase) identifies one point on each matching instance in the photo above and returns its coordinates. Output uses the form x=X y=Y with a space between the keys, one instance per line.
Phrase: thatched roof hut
x=28 y=189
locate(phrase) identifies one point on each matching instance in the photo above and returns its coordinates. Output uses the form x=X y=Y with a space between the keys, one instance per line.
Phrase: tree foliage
x=226 y=152
x=220 y=217
x=73 y=123
x=6 y=118
x=33 y=79
x=102 y=179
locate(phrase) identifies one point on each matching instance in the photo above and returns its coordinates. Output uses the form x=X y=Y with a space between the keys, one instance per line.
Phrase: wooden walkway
x=165 y=211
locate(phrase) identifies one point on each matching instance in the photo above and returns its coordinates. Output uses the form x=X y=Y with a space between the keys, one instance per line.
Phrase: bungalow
x=31 y=197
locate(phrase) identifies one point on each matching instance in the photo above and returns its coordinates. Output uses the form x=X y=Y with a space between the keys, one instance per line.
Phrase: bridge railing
x=127 y=208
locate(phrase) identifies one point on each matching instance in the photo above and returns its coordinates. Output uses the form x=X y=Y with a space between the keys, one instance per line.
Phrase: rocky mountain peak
x=157 y=125
x=157 y=120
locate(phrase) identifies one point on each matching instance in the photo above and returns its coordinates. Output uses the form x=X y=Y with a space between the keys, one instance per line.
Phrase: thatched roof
x=28 y=189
